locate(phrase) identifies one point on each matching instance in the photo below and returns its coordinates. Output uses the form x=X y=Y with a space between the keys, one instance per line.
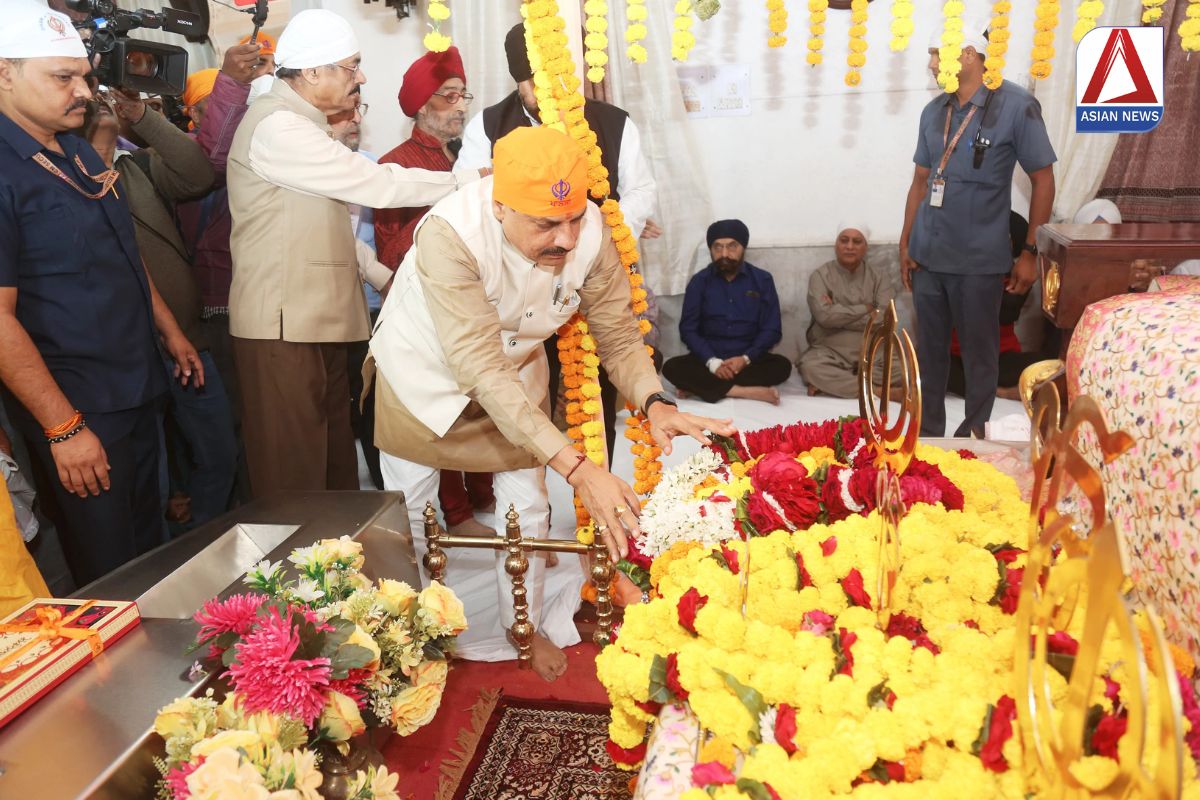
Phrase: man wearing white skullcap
x=842 y=294
x=79 y=363
x=296 y=301
x=955 y=251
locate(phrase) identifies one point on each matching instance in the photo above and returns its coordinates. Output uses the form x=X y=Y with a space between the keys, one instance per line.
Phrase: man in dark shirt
x=730 y=321
x=81 y=370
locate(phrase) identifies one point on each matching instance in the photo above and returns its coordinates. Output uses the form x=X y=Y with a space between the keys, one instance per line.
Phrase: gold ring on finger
x=620 y=510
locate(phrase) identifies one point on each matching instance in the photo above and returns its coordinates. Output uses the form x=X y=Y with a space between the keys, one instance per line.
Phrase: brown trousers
x=296 y=415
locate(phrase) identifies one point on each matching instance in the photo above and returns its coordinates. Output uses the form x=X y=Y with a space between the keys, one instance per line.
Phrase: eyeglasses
x=363 y=108
x=453 y=97
x=357 y=68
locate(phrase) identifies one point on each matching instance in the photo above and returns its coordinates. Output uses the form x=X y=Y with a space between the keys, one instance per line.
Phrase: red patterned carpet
x=432 y=759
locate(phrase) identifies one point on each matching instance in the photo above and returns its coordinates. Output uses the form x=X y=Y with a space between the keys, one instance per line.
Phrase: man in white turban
x=297 y=301
x=842 y=294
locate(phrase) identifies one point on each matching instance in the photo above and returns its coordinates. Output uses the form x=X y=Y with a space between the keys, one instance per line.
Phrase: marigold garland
x=1043 y=39
x=682 y=38
x=635 y=13
x=950 y=53
x=1189 y=29
x=435 y=41
x=902 y=24
x=856 y=58
x=595 y=39
x=997 y=48
x=777 y=17
x=1085 y=18
x=1152 y=11
x=816 y=29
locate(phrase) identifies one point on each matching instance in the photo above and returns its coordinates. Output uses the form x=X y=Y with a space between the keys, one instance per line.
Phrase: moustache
x=725 y=263
x=554 y=252
x=76 y=105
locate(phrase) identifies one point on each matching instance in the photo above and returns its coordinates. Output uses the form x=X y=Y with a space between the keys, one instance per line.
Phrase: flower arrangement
x=435 y=41
x=777 y=23
x=635 y=13
x=816 y=30
x=902 y=24
x=998 y=35
x=768 y=634
x=1043 y=38
x=595 y=40
x=682 y=38
x=856 y=59
x=951 y=50
x=1085 y=17
x=1189 y=29
x=1152 y=11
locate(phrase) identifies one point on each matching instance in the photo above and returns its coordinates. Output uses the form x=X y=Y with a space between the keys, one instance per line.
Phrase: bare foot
x=766 y=394
x=1008 y=392
x=548 y=660
x=813 y=391
x=551 y=558
x=470 y=527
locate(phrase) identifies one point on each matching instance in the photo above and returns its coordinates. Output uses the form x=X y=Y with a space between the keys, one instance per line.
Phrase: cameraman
x=172 y=168
x=81 y=370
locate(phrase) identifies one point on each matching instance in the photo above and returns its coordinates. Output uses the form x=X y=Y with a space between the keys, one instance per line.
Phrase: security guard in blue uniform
x=81 y=372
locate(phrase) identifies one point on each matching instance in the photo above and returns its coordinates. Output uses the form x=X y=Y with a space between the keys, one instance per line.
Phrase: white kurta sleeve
x=290 y=151
x=476 y=151
x=635 y=180
x=370 y=269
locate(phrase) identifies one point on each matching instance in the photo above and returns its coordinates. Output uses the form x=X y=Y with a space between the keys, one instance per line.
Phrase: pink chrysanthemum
x=236 y=614
x=270 y=679
x=353 y=686
x=176 y=779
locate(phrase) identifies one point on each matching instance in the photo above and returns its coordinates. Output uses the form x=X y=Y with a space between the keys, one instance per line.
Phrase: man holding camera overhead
x=81 y=371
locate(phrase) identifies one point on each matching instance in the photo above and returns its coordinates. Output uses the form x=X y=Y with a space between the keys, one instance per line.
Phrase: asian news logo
x=1119 y=80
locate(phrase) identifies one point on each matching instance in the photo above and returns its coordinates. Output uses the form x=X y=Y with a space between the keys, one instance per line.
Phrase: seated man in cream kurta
x=494 y=270
x=841 y=296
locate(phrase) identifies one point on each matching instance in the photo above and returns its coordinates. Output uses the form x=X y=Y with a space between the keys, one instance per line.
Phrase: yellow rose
x=224 y=776
x=363 y=639
x=180 y=717
x=429 y=673
x=414 y=707
x=395 y=596
x=341 y=718
x=442 y=609
x=234 y=740
x=345 y=549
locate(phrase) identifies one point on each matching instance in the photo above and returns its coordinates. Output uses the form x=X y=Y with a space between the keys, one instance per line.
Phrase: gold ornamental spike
x=894 y=444
x=890 y=504
x=1075 y=582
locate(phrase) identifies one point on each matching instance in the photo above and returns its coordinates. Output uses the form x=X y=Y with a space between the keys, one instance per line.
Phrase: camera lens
x=142 y=64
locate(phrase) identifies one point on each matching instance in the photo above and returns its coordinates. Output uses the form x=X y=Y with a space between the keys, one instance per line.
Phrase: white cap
x=853 y=224
x=973 y=30
x=31 y=30
x=314 y=38
x=1098 y=210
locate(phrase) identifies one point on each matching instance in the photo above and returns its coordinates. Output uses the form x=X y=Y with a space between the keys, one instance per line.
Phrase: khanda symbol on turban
x=560 y=190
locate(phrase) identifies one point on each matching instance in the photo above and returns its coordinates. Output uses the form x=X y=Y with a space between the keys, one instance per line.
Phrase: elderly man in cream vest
x=462 y=379
x=297 y=299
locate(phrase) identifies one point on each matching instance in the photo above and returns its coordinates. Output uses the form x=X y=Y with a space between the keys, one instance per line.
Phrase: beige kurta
x=486 y=344
x=840 y=302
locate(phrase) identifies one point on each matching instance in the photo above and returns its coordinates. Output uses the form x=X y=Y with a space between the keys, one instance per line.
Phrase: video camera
x=136 y=64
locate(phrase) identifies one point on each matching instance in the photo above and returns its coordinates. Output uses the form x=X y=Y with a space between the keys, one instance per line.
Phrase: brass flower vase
x=340 y=770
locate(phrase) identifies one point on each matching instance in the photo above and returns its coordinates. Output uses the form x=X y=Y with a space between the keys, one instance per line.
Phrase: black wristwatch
x=1030 y=248
x=657 y=397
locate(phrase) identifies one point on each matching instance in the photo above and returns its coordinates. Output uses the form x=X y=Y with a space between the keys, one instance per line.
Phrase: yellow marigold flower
x=436 y=42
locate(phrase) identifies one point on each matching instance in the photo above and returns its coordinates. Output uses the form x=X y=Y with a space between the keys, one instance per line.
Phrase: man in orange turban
x=494 y=270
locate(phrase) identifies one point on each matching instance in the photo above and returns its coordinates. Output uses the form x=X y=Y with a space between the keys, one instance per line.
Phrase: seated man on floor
x=730 y=321
x=842 y=295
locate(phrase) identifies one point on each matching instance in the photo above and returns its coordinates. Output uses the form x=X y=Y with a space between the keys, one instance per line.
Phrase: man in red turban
x=434 y=94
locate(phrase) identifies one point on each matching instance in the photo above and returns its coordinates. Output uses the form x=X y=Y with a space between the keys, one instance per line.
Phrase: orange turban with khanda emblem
x=541 y=172
x=199 y=86
x=266 y=43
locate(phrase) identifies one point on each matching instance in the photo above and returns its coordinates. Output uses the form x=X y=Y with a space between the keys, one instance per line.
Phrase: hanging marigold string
x=682 y=38
x=595 y=40
x=950 y=53
x=1189 y=29
x=1152 y=11
x=816 y=30
x=777 y=17
x=857 y=58
x=635 y=13
x=902 y=24
x=435 y=41
x=998 y=34
x=1043 y=39
x=560 y=105
x=1085 y=18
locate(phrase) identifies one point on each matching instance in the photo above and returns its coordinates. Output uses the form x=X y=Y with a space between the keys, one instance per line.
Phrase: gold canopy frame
x=516 y=564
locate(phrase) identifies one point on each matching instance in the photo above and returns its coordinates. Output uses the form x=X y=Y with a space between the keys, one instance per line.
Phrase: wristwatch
x=1030 y=248
x=657 y=397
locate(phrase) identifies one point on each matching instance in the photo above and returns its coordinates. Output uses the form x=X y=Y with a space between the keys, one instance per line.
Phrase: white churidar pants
x=478 y=576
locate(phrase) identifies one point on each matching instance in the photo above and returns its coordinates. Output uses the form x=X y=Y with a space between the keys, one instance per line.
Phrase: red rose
x=842 y=643
x=1108 y=732
x=788 y=483
x=776 y=471
x=912 y=629
x=852 y=585
x=895 y=771
x=1008 y=555
x=673 y=677
x=829 y=546
x=806 y=435
x=951 y=495
x=862 y=488
x=785 y=727
x=649 y=706
x=731 y=558
x=712 y=773
x=1012 y=590
x=631 y=757
x=999 y=732
x=1062 y=642
x=802 y=509
x=804 y=580
x=831 y=496
x=637 y=557
x=764 y=518
x=689 y=605
x=918 y=490
x=967 y=455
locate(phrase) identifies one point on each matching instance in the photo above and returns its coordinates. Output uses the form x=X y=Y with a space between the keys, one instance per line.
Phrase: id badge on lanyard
x=937 y=190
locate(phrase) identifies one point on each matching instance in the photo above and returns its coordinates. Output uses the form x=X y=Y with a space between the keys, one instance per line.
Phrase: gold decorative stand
x=516 y=564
